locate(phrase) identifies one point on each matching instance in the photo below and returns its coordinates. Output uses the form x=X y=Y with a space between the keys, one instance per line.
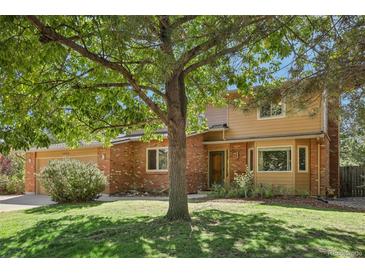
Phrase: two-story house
x=296 y=148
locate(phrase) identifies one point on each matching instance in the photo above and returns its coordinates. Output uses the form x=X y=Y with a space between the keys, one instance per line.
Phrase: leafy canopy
x=115 y=80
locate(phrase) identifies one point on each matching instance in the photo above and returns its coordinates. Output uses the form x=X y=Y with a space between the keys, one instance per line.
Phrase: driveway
x=18 y=202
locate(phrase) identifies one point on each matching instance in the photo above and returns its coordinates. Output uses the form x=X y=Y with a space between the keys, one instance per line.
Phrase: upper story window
x=157 y=159
x=270 y=111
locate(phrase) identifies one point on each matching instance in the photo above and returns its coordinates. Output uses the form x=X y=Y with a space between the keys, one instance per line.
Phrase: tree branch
x=182 y=20
x=117 y=85
x=141 y=123
x=223 y=52
x=210 y=43
x=51 y=35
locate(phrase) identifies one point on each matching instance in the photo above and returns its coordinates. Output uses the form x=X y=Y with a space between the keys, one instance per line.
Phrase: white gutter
x=263 y=139
x=137 y=138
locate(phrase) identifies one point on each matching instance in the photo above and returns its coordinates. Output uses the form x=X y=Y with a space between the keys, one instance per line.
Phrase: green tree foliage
x=12 y=173
x=352 y=141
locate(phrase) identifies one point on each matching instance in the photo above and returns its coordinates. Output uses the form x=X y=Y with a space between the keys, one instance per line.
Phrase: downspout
x=324 y=121
x=319 y=168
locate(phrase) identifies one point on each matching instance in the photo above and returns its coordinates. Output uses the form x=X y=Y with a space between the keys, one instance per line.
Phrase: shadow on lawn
x=212 y=233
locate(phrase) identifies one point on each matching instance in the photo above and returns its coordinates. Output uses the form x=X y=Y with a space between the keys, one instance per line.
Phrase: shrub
x=219 y=191
x=244 y=186
x=12 y=173
x=302 y=193
x=73 y=181
x=244 y=182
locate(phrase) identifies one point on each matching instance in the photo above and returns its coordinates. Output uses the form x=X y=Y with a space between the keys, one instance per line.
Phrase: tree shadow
x=212 y=233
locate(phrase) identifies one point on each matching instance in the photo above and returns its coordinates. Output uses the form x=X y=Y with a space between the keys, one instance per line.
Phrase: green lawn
x=218 y=229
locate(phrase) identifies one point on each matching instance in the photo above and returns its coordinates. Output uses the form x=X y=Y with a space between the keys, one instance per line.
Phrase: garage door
x=43 y=158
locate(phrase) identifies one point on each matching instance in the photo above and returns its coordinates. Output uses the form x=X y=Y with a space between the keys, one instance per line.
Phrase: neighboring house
x=284 y=146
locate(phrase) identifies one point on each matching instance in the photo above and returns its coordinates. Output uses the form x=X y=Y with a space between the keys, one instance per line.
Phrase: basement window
x=157 y=159
x=276 y=159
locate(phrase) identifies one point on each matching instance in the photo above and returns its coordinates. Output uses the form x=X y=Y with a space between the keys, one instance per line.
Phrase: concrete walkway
x=19 y=202
x=354 y=202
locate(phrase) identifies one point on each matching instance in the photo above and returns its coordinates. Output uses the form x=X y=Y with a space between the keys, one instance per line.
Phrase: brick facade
x=325 y=166
x=237 y=159
x=103 y=162
x=121 y=168
x=323 y=144
x=334 y=153
x=313 y=151
x=329 y=165
x=128 y=167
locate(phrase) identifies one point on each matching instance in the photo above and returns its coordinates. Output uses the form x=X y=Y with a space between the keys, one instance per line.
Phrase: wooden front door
x=216 y=168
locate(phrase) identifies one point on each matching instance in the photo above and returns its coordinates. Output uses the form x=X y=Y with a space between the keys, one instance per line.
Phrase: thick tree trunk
x=176 y=112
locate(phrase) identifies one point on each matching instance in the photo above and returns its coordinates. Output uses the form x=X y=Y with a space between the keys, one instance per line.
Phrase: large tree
x=91 y=77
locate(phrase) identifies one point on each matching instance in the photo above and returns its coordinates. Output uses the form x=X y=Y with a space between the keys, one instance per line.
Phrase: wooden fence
x=352 y=181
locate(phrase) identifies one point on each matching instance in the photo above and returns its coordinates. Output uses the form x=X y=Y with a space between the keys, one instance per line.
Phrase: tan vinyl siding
x=213 y=136
x=67 y=153
x=216 y=115
x=246 y=124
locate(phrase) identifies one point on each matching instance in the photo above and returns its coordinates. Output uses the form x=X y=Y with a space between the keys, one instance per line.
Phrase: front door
x=216 y=168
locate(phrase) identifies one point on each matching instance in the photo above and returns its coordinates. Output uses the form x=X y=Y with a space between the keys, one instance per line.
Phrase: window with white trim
x=276 y=159
x=271 y=110
x=157 y=159
x=302 y=158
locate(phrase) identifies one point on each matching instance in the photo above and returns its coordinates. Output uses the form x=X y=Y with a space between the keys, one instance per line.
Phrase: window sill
x=271 y=118
x=157 y=171
x=289 y=171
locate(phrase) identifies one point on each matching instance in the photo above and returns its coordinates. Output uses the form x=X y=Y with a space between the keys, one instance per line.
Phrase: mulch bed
x=294 y=201
x=136 y=193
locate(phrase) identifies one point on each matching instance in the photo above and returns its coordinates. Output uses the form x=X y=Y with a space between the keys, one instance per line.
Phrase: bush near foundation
x=243 y=186
x=73 y=181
